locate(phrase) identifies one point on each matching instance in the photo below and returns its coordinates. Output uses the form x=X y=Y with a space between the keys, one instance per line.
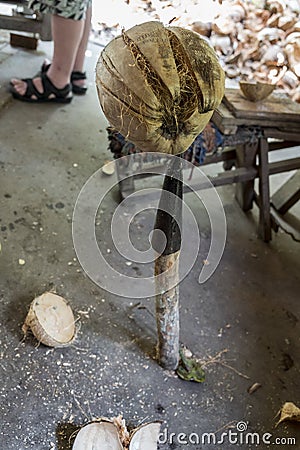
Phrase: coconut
x=256 y=91
x=159 y=86
x=106 y=434
x=51 y=320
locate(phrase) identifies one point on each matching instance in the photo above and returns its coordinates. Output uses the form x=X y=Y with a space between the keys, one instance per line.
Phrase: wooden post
x=245 y=157
x=167 y=300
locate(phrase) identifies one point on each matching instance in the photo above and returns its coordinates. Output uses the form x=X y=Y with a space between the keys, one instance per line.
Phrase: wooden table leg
x=264 y=229
x=245 y=157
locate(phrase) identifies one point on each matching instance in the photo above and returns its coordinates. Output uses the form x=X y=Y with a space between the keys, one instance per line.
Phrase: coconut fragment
x=109 y=168
x=51 y=320
x=289 y=411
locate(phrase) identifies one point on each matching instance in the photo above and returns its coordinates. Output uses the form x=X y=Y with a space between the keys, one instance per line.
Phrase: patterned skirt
x=70 y=9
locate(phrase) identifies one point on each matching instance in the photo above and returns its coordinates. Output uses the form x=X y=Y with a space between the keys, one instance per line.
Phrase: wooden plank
x=228 y=125
x=239 y=175
x=285 y=225
x=287 y=195
x=224 y=120
x=284 y=165
x=38 y=25
x=19 y=40
x=276 y=107
x=281 y=145
x=285 y=134
x=225 y=155
x=20 y=24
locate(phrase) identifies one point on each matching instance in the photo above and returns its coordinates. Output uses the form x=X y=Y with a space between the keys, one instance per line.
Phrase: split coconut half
x=51 y=320
x=106 y=435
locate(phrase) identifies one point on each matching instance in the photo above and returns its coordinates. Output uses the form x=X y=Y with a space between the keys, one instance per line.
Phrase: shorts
x=70 y=9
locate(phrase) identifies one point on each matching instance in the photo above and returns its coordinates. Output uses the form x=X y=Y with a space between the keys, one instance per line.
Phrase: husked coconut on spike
x=159 y=86
x=51 y=320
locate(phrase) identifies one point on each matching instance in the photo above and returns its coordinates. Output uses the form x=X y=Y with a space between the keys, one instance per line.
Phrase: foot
x=40 y=89
x=20 y=86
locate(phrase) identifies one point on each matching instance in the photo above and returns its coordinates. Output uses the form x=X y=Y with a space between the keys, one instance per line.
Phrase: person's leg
x=80 y=55
x=67 y=34
x=78 y=75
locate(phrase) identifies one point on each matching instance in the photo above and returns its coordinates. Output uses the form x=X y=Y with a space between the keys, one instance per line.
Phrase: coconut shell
x=256 y=91
x=145 y=437
x=105 y=434
x=101 y=435
x=159 y=86
x=51 y=320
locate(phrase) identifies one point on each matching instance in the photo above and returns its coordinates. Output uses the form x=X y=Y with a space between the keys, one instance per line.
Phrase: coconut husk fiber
x=159 y=86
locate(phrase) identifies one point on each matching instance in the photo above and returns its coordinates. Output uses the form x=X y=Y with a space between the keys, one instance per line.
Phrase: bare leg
x=67 y=34
x=80 y=55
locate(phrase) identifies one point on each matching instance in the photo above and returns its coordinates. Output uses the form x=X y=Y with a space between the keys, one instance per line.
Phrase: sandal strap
x=31 y=89
x=77 y=75
x=48 y=88
x=45 y=67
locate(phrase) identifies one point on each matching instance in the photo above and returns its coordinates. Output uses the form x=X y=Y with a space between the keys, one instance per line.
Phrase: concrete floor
x=248 y=310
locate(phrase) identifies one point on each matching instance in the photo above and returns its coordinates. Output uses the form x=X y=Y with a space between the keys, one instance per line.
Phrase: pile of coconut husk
x=254 y=39
x=258 y=40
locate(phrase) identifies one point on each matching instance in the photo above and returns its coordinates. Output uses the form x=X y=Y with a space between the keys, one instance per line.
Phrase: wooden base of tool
x=167 y=312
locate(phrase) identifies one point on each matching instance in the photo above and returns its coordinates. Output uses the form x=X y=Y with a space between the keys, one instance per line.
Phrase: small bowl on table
x=255 y=90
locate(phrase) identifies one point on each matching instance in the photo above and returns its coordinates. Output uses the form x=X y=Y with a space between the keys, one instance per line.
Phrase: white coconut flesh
x=145 y=437
x=104 y=435
x=109 y=168
x=98 y=436
x=51 y=320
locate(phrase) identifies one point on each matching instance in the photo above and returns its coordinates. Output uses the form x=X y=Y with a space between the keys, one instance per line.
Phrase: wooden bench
x=23 y=19
x=275 y=125
x=250 y=131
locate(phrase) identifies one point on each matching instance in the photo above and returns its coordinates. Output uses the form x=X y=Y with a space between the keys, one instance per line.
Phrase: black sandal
x=50 y=94
x=75 y=76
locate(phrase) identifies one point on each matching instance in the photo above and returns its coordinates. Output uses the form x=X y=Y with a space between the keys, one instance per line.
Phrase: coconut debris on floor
x=51 y=320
